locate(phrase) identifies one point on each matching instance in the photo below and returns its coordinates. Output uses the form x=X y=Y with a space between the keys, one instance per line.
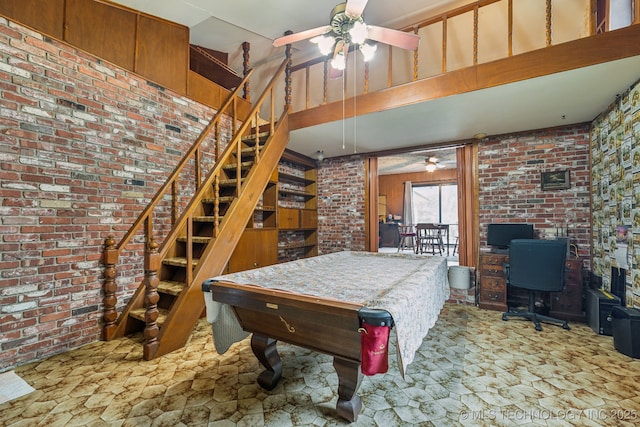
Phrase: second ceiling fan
x=347 y=27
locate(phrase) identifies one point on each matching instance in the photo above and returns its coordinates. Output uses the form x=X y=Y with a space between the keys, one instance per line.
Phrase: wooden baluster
x=217 y=137
x=174 y=202
x=216 y=205
x=325 y=83
x=548 y=23
x=287 y=74
x=238 y=161
x=256 y=148
x=189 y=249
x=151 y=298
x=307 y=87
x=415 y=57
x=234 y=105
x=198 y=171
x=390 y=68
x=444 y=44
x=510 y=26
x=109 y=287
x=475 y=35
x=246 y=46
x=272 y=117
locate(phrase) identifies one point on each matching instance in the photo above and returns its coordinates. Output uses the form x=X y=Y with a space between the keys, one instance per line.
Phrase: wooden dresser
x=492 y=288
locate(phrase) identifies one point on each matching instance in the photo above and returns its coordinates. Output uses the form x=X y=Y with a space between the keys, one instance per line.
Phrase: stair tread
x=221 y=199
x=250 y=150
x=244 y=165
x=138 y=313
x=252 y=137
x=170 y=287
x=179 y=261
x=195 y=239
x=230 y=181
x=207 y=218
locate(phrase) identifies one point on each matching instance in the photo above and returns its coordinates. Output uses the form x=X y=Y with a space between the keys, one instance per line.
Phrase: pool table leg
x=265 y=350
x=349 y=377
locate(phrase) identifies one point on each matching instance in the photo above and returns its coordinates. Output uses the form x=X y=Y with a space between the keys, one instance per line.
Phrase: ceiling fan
x=432 y=163
x=347 y=27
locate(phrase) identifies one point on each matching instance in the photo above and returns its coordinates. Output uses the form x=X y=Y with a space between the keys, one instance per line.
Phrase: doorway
x=432 y=176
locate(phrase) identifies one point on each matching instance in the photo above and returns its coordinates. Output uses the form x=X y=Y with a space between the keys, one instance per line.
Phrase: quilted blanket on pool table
x=413 y=288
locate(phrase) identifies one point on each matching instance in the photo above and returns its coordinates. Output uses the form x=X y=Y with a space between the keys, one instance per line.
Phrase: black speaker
x=598 y=309
x=618 y=283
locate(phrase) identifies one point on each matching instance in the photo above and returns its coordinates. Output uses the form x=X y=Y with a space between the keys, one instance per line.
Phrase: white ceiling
x=559 y=99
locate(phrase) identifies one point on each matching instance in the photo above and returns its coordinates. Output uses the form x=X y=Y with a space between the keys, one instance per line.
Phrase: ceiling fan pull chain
x=343 y=111
x=355 y=80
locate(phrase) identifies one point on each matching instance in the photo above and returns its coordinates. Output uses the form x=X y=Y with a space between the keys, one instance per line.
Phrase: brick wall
x=84 y=146
x=509 y=182
x=341 y=204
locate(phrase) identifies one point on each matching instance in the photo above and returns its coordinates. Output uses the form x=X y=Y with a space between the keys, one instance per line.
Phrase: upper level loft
x=475 y=35
x=480 y=44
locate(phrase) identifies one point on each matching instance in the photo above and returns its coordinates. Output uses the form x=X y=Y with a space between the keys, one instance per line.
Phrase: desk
x=314 y=303
x=493 y=293
x=389 y=235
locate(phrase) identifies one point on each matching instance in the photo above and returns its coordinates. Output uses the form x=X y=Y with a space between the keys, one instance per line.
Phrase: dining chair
x=407 y=237
x=428 y=236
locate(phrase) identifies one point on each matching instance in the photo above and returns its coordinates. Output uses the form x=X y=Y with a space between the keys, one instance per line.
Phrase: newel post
x=151 y=298
x=109 y=287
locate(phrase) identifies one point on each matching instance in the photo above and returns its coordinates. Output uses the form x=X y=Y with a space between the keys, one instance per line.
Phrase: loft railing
x=491 y=29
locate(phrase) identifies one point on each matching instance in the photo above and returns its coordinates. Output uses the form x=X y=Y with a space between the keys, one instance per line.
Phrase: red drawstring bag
x=375 y=326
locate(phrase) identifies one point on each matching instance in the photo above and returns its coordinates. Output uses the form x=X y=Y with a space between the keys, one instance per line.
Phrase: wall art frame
x=555 y=180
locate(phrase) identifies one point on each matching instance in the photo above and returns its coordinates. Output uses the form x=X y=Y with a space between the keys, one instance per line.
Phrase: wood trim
x=371 y=204
x=468 y=231
x=600 y=48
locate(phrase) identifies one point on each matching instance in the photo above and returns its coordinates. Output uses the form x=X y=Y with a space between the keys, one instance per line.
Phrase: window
x=436 y=204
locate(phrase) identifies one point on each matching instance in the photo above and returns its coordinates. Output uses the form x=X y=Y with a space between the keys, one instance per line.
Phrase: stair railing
x=233 y=148
x=113 y=250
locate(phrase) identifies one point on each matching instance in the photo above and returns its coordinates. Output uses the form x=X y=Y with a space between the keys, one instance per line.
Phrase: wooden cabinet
x=308 y=219
x=567 y=305
x=257 y=248
x=492 y=289
x=285 y=221
x=493 y=293
x=289 y=219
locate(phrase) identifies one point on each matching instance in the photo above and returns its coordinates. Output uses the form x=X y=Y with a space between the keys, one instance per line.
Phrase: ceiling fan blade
x=355 y=8
x=395 y=38
x=302 y=35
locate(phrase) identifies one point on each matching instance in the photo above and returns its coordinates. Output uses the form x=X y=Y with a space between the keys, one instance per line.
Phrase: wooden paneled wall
x=392 y=186
x=150 y=46
x=46 y=16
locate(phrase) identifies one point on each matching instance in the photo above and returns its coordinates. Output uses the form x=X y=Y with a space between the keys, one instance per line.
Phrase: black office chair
x=537 y=266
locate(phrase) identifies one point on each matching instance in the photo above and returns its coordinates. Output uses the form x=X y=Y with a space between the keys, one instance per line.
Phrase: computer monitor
x=500 y=234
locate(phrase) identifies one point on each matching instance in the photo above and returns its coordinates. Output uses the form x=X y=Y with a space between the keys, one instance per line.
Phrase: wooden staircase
x=168 y=301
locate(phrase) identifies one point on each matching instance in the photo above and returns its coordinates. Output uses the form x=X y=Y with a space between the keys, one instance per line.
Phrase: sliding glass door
x=436 y=204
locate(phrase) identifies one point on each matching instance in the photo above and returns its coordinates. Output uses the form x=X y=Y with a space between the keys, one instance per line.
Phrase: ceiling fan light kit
x=432 y=164
x=346 y=28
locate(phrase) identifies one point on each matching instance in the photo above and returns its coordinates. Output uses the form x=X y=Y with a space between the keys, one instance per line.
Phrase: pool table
x=318 y=303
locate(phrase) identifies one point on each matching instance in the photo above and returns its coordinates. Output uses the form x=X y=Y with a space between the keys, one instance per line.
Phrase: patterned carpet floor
x=472 y=369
